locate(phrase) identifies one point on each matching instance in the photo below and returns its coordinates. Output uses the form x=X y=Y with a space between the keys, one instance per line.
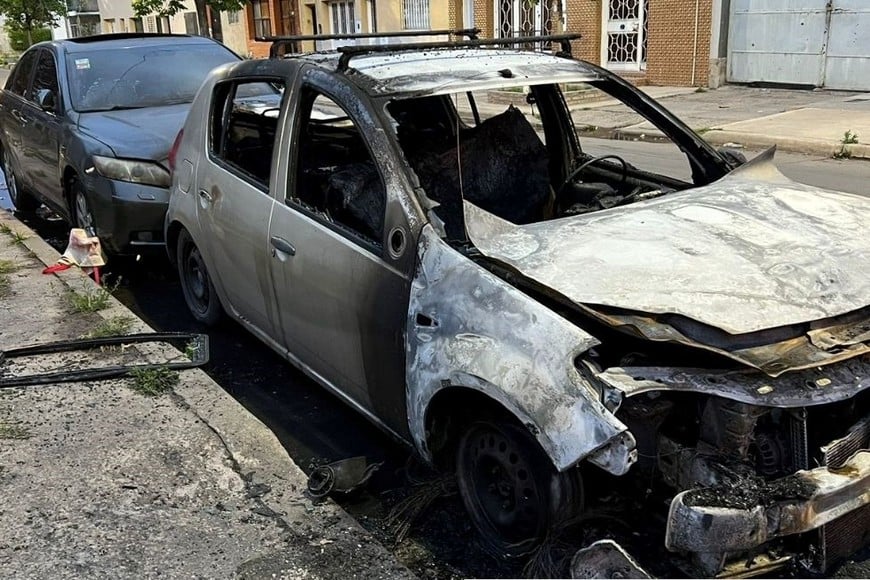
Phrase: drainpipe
x=695 y=46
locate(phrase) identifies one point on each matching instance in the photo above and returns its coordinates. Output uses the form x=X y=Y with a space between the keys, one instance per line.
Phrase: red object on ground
x=56 y=268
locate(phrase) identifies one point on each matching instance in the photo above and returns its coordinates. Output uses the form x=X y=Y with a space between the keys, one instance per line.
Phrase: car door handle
x=283 y=245
x=206 y=196
x=21 y=118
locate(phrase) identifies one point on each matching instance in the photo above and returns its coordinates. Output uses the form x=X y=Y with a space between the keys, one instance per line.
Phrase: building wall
x=235 y=34
x=676 y=44
x=671 y=46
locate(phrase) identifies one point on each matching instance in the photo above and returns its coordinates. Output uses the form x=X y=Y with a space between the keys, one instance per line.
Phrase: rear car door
x=342 y=251
x=234 y=199
x=15 y=116
x=44 y=130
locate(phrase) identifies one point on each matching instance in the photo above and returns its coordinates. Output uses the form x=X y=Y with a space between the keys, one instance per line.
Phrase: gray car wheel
x=514 y=496
x=196 y=285
x=21 y=201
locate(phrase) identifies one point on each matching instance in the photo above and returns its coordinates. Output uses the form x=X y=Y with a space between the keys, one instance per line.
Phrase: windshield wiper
x=113 y=108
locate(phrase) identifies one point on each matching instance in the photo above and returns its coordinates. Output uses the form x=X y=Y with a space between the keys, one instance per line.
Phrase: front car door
x=234 y=197
x=343 y=249
x=45 y=130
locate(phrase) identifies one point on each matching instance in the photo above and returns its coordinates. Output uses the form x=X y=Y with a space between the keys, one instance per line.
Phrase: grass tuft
x=154 y=381
x=92 y=300
x=115 y=326
x=13 y=431
x=17 y=237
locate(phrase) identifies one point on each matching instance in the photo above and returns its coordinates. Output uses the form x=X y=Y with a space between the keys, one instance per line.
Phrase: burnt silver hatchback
x=422 y=230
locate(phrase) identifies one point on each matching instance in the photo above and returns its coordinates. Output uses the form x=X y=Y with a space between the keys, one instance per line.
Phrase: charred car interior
x=565 y=312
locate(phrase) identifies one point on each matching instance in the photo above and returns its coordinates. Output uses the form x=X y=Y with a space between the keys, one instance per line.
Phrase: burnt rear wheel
x=196 y=285
x=513 y=495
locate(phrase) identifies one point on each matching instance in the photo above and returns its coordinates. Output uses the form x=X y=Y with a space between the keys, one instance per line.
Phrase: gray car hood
x=751 y=251
x=146 y=133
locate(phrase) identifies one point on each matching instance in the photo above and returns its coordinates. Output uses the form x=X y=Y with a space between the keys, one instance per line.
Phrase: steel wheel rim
x=196 y=278
x=505 y=494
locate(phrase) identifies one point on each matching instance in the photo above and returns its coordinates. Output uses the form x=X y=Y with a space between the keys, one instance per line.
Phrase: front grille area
x=845 y=536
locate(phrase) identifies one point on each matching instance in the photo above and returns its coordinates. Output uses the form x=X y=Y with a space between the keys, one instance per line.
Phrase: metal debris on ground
x=195 y=347
x=342 y=476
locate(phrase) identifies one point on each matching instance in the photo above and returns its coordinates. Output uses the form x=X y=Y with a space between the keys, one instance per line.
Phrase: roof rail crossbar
x=279 y=42
x=348 y=52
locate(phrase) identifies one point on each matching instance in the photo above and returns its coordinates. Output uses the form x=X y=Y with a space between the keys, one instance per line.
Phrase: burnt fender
x=467 y=327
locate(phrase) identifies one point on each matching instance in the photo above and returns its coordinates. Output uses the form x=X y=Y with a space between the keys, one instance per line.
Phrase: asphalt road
x=852 y=175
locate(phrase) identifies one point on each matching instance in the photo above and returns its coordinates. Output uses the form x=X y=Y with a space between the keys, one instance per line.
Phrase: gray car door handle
x=205 y=195
x=283 y=245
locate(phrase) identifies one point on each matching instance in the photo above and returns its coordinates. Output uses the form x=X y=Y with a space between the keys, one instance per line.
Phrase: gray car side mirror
x=46 y=101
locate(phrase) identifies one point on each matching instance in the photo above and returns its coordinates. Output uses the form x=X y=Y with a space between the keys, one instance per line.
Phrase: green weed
x=154 y=381
x=13 y=431
x=17 y=237
x=92 y=300
x=849 y=138
x=115 y=326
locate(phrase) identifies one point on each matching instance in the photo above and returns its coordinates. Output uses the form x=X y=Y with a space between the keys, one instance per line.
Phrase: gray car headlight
x=134 y=171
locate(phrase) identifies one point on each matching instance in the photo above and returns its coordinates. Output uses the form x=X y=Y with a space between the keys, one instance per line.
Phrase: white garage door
x=807 y=42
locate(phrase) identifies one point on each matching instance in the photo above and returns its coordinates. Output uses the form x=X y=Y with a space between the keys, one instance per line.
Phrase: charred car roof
x=448 y=71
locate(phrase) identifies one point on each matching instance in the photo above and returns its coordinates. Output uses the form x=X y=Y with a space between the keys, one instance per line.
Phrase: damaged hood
x=752 y=251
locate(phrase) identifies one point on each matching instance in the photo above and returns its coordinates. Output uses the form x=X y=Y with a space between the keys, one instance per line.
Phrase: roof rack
x=348 y=52
x=279 y=42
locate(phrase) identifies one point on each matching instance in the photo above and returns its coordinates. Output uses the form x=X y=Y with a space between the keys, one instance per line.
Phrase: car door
x=45 y=129
x=14 y=116
x=234 y=199
x=342 y=252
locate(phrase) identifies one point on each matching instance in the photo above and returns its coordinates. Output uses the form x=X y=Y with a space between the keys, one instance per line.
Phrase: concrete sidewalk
x=811 y=122
x=101 y=481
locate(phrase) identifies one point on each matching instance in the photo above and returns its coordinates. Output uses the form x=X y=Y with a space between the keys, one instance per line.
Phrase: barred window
x=416 y=14
x=262 y=23
x=233 y=17
x=342 y=17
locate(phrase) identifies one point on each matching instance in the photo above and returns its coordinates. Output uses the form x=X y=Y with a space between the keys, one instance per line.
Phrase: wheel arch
x=444 y=425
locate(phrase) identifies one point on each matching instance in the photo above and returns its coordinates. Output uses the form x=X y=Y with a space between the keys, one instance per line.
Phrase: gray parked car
x=470 y=278
x=86 y=125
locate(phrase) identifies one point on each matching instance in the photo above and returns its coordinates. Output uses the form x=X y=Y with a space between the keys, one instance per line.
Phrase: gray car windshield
x=137 y=77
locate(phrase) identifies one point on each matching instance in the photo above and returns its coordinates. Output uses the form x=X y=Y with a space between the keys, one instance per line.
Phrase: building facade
x=659 y=42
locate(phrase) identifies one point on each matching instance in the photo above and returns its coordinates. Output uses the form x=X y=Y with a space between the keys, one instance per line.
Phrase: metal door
x=805 y=42
x=525 y=18
x=847 y=58
x=625 y=34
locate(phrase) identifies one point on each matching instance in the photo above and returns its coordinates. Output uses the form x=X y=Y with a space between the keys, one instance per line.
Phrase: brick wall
x=671 y=42
x=584 y=16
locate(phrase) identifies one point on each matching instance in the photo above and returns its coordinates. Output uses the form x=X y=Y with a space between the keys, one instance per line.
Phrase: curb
x=720 y=137
x=262 y=460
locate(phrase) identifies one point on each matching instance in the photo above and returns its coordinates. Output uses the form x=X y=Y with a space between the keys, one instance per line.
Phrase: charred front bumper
x=738 y=518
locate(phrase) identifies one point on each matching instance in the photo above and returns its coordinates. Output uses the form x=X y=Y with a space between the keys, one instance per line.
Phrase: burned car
x=470 y=278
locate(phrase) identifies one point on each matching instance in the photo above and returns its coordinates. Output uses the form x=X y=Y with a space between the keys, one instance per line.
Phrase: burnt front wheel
x=514 y=496
x=196 y=285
